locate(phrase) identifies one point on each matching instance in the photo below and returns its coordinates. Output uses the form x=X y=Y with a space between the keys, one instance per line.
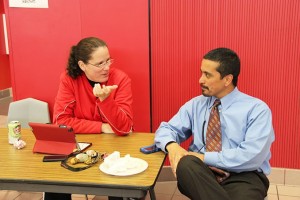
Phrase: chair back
x=28 y=110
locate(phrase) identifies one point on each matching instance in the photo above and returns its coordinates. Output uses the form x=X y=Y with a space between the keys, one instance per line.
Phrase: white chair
x=28 y=110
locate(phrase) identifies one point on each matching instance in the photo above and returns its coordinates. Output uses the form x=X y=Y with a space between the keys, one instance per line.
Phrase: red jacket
x=76 y=105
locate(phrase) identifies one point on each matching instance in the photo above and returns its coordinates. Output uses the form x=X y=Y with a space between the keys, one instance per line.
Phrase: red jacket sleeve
x=117 y=109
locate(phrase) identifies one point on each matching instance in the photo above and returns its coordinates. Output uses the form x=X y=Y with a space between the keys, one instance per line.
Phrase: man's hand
x=106 y=128
x=104 y=91
x=176 y=152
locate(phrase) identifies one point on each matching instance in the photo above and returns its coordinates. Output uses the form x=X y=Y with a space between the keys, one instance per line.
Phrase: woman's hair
x=229 y=62
x=82 y=51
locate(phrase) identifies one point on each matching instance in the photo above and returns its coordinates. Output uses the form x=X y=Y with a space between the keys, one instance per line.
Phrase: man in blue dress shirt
x=238 y=171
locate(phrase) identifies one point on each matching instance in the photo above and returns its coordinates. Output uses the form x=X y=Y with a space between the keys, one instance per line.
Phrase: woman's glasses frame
x=101 y=65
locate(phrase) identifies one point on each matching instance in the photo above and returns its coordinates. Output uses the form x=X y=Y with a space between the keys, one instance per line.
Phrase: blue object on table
x=150 y=149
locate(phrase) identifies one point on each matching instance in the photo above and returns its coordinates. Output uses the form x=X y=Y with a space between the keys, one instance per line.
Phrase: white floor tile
x=8 y=194
x=180 y=197
x=288 y=198
x=30 y=196
x=272 y=197
x=167 y=187
x=272 y=189
x=289 y=190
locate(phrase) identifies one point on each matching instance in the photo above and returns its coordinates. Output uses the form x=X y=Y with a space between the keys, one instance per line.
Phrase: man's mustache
x=204 y=87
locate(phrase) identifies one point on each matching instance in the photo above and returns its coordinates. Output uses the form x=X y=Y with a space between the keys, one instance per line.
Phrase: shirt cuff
x=211 y=158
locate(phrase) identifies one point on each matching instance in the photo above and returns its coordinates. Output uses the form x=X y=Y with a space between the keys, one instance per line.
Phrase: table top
x=24 y=166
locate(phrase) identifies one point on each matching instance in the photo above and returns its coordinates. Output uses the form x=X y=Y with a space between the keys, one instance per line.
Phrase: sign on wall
x=28 y=3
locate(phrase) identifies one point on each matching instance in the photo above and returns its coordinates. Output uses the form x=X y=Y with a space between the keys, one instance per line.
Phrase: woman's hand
x=106 y=128
x=104 y=91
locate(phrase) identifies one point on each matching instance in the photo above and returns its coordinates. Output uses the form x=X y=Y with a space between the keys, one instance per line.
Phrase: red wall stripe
x=266 y=35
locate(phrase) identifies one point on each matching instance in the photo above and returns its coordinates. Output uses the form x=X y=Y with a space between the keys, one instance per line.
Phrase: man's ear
x=81 y=65
x=228 y=79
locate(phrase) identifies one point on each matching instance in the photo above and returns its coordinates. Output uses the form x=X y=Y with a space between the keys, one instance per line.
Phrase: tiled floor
x=163 y=190
x=285 y=183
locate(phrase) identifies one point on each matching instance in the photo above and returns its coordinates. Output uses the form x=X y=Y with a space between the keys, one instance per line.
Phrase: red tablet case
x=53 y=139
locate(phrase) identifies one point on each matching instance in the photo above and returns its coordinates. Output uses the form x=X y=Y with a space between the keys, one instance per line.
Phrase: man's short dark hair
x=229 y=62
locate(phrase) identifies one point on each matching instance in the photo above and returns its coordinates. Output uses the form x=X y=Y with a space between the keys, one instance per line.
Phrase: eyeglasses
x=101 y=65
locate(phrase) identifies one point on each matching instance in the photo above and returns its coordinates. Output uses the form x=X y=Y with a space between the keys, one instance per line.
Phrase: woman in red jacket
x=93 y=97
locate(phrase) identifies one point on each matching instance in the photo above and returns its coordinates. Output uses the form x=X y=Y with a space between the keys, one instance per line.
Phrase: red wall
x=39 y=45
x=127 y=33
x=40 y=40
x=266 y=35
x=4 y=59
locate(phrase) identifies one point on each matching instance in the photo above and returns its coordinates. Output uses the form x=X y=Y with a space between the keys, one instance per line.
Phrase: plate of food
x=122 y=166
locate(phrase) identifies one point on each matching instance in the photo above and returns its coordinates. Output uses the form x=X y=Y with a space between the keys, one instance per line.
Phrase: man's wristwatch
x=168 y=144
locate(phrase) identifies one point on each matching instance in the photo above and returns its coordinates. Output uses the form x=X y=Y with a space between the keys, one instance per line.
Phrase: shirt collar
x=227 y=100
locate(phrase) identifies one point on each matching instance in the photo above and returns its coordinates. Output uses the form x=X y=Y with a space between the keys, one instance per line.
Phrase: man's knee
x=186 y=163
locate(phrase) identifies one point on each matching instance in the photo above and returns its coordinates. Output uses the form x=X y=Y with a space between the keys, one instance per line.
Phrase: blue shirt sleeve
x=184 y=124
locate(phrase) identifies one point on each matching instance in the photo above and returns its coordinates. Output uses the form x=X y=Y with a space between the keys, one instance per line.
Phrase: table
x=24 y=170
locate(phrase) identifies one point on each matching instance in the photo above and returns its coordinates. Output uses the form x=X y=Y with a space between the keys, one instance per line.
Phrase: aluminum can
x=14 y=131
